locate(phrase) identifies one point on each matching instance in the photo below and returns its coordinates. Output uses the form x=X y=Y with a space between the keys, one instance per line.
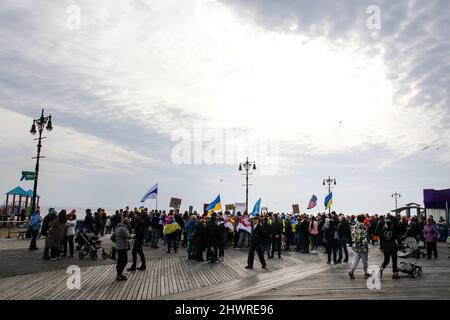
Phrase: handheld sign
x=295 y=208
x=175 y=203
x=229 y=207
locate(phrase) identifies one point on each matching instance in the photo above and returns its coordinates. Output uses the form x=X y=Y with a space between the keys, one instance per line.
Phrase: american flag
x=312 y=202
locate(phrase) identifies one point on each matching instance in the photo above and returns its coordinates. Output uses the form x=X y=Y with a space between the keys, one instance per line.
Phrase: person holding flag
x=170 y=230
x=328 y=201
x=215 y=206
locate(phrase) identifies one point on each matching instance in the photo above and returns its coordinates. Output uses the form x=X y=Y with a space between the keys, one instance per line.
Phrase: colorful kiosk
x=21 y=199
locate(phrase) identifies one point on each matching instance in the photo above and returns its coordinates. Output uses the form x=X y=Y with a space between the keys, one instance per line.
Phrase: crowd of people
x=206 y=236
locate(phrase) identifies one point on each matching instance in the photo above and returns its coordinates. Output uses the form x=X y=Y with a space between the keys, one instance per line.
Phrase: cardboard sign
x=239 y=207
x=295 y=208
x=191 y=209
x=264 y=210
x=229 y=207
x=175 y=203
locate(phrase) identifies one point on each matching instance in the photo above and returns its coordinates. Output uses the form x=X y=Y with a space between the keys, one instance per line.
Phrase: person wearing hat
x=256 y=240
x=88 y=223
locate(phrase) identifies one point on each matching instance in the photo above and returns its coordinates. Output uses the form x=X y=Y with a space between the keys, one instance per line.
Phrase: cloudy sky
x=179 y=92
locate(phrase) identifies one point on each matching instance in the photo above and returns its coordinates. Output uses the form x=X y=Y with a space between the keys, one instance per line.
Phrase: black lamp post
x=396 y=195
x=39 y=124
x=247 y=166
x=329 y=182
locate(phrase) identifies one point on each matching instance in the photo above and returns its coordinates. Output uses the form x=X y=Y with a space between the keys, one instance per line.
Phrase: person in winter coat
x=121 y=237
x=97 y=221
x=179 y=219
x=276 y=232
x=139 y=231
x=389 y=242
x=256 y=241
x=298 y=234
x=116 y=219
x=212 y=240
x=35 y=226
x=154 y=223
x=344 y=233
x=305 y=234
x=69 y=234
x=191 y=226
x=325 y=226
x=88 y=223
x=288 y=234
x=52 y=214
x=221 y=238
x=431 y=233
x=171 y=229
x=379 y=229
x=313 y=231
x=360 y=245
x=332 y=238
x=267 y=241
x=199 y=237
x=56 y=234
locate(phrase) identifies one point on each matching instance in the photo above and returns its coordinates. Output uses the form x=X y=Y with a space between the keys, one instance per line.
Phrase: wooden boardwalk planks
x=295 y=276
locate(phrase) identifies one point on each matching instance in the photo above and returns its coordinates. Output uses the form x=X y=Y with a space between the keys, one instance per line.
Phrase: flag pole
x=156 y=203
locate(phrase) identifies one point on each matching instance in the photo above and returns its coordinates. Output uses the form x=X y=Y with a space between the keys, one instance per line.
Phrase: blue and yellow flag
x=328 y=200
x=215 y=206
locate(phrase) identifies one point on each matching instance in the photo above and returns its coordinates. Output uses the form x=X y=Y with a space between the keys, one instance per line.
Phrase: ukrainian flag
x=215 y=206
x=328 y=200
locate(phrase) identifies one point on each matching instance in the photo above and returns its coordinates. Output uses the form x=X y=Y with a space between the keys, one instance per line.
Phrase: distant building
x=410 y=209
x=437 y=203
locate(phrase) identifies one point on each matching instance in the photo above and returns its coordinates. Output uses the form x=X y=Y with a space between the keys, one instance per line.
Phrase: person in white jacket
x=69 y=234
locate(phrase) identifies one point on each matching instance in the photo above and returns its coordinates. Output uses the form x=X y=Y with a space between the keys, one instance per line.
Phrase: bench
x=21 y=234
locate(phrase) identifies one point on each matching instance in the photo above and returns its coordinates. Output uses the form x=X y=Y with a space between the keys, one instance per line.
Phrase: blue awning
x=18 y=191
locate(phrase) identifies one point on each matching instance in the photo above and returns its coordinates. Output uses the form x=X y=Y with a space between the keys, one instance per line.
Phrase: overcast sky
x=311 y=88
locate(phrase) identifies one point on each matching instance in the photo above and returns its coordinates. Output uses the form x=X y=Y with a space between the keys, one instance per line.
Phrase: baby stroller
x=88 y=243
x=410 y=248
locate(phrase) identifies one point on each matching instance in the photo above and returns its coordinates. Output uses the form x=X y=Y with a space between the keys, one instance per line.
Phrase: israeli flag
x=151 y=194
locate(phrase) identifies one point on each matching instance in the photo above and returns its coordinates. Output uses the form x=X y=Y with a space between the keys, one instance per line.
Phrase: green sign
x=28 y=175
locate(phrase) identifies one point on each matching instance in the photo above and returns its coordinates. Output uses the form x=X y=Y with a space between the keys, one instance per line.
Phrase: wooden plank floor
x=295 y=276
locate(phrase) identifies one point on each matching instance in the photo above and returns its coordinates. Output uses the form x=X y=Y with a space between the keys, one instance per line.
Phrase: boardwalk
x=296 y=276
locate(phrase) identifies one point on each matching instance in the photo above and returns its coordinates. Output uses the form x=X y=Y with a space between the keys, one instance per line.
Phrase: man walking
x=256 y=241
x=360 y=245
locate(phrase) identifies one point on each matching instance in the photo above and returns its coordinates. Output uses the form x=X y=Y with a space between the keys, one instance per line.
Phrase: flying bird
x=425 y=148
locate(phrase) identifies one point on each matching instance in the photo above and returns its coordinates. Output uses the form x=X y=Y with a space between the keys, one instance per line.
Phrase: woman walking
x=121 y=237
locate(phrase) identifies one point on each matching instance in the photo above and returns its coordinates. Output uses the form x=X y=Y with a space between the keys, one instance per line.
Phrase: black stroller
x=410 y=248
x=88 y=243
